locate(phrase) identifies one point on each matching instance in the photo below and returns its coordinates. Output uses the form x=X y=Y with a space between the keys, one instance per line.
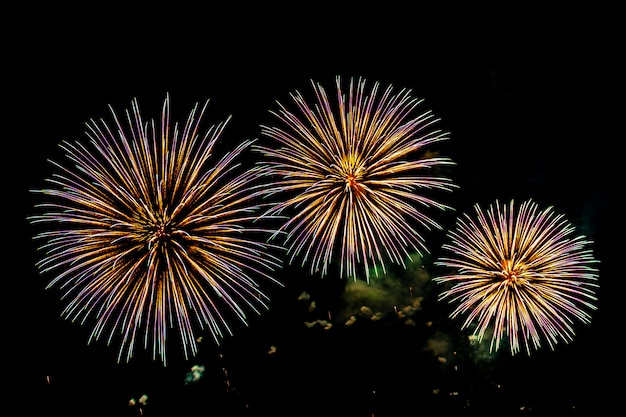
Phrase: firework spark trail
x=521 y=273
x=354 y=176
x=146 y=233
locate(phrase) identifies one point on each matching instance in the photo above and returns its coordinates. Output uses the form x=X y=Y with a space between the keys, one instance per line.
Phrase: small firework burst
x=145 y=229
x=521 y=275
x=359 y=176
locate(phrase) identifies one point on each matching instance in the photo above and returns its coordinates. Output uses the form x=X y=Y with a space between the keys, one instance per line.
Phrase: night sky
x=530 y=111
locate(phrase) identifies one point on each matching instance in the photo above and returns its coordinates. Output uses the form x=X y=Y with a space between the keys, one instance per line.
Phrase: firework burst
x=148 y=231
x=521 y=274
x=356 y=176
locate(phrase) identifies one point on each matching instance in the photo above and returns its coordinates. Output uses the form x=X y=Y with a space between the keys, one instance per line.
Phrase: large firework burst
x=522 y=275
x=356 y=175
x=147 y=230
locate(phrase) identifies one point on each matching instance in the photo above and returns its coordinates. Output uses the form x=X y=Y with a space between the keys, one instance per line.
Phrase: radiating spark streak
x=353 y=179
x=146 y=229
x=522 y=273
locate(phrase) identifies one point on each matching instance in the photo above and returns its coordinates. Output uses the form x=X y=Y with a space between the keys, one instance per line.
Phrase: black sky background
x=531 y=106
